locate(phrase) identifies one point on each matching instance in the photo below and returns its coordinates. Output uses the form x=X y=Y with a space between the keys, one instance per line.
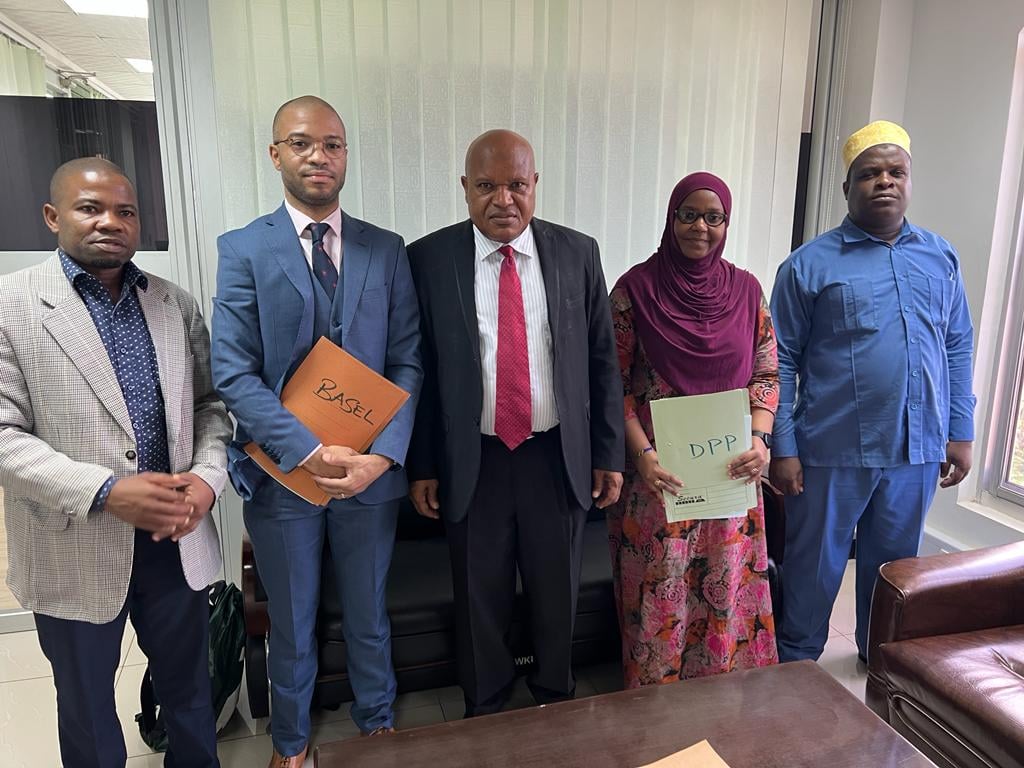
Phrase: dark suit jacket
x=587 y=382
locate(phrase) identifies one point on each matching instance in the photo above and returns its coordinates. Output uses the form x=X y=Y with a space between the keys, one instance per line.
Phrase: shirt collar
x=854 y=234
x=301 y=221
x=523 y=245
x=131 y=275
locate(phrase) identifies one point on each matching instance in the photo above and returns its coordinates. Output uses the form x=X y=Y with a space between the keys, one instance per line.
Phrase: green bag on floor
x=227 y=644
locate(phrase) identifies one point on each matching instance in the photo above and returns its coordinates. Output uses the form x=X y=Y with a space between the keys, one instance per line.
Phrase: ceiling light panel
x=134 y=8
x=145 y=66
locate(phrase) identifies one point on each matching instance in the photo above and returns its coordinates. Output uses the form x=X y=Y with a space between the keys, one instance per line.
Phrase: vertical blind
x=620 y=99
x=22 y=70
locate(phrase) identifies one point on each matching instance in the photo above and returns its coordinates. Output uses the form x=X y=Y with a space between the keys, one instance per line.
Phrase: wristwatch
x=765 y=436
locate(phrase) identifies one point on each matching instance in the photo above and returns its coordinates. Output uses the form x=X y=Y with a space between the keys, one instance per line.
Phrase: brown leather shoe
x=295 y=761
x=381 y=730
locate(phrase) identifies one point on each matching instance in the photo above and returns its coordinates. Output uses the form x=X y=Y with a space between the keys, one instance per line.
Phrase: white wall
x=954 y=61
x=957 y=108
x=895 y=23
x=945 y=69
x=958 y=99
x=155 y=262
x=871 y=67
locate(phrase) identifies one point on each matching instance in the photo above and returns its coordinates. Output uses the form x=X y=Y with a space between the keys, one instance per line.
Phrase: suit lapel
x=464 y=263
x=71 y=326
x=549 y=269
x=283 y=243
x=355 y=264
x=170 y=349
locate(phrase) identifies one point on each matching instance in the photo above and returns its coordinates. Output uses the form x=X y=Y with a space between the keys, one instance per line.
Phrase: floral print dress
x=692 y=596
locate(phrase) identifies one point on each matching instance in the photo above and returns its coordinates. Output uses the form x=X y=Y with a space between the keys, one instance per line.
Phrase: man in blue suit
x=305 y=271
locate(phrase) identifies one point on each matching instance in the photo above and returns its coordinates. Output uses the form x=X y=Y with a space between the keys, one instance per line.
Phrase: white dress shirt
x=332 y=240
x=538 y=331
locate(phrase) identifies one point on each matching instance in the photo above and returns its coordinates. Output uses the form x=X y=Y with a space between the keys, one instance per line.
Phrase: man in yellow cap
x=875 y=344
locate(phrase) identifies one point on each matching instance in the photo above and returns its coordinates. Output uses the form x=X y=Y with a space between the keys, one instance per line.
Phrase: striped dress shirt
x=538 y=331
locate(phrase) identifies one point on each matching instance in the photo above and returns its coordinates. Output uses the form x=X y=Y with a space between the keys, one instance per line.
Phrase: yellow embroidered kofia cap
x=871 y=135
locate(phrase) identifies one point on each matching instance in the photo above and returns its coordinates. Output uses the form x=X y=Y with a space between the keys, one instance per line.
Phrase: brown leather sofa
x=946 y=655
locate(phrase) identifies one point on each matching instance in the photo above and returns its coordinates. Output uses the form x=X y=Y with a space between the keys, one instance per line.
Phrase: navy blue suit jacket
x=262 y=329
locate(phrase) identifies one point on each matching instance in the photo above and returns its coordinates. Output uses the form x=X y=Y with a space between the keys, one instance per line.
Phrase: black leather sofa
x=420 y=604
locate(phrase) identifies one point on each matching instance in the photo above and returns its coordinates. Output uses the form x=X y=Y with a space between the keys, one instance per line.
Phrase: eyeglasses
x=334 y=148
x=711 y=218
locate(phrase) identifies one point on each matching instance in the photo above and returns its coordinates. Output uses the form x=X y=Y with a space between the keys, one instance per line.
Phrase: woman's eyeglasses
x=711 y=218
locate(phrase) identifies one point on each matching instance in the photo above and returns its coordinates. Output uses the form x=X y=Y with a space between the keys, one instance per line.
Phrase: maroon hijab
x=696 y=319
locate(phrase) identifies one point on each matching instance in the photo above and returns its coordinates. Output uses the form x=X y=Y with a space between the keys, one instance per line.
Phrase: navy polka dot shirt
x=125 y=335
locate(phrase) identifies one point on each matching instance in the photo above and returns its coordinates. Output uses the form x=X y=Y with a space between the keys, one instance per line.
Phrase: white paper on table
x=696 y=438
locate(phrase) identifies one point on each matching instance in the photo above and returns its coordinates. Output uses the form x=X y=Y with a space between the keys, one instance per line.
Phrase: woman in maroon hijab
x=692 y=596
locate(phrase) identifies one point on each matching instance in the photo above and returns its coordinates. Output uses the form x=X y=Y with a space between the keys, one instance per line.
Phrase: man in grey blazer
x=112 y=451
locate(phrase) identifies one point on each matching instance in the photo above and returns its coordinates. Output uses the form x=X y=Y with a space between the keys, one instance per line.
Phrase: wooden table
x=777 y=717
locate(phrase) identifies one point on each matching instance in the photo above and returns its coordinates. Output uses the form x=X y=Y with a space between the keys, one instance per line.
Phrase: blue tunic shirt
x=875 y=344
x=125 y=335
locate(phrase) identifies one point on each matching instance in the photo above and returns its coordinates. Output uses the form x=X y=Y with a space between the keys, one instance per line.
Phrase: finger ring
x=342 y=496
x=658 y=483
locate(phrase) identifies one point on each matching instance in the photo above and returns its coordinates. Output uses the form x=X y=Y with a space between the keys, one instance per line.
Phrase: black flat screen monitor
x=37 y=134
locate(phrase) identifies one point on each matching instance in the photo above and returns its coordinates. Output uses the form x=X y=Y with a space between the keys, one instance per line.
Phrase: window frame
x=1010 y=378
x=1007 y=373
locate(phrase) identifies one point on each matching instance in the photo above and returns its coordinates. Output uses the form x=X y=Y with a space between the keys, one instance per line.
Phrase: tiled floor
x=28 y=718
x=7 y=601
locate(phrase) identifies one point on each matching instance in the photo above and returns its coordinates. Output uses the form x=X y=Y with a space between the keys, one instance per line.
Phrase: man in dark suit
x=520 y=427
x=305 y=271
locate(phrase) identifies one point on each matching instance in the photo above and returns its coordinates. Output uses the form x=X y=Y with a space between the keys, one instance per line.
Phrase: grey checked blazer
x=64 y=428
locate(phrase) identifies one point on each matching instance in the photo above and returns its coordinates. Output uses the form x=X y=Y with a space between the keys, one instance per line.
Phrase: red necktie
x=512 y=418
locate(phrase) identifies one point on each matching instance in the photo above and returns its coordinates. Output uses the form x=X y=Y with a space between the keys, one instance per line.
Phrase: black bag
x=227 y=644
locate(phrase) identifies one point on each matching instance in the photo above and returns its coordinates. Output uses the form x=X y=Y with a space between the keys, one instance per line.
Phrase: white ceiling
x=97 y=44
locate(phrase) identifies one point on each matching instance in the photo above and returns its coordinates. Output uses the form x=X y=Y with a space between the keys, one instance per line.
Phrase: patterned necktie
x=512 y=416
x=323 y=267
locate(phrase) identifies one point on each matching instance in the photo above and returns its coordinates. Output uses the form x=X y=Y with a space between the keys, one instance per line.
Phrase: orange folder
x=341 y=401
x=701 y=755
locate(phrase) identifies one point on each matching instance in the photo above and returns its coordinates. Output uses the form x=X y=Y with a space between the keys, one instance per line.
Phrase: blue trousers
x=886 y=507
x=172 y=626
x=288 y=542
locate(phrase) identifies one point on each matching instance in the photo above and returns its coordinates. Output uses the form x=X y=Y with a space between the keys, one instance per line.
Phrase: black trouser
x=521 y=514
x=172 y=626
